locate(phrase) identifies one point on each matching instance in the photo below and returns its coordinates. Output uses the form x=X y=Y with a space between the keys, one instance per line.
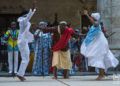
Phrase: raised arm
x=32 y=11
x=78 y=35
x=49 y=30
x=89 y=17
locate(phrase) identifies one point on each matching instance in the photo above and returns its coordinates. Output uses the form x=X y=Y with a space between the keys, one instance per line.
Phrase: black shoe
x=21 y=78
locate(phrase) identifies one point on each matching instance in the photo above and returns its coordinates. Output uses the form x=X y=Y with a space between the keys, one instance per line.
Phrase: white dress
x=98 y=52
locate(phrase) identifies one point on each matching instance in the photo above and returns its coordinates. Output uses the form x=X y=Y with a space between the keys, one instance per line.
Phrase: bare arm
x=76 y=35
x=49 y=30
x=90 y=18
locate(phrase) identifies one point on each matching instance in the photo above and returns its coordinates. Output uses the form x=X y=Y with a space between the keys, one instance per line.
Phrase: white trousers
x=10 y=61
x=25 y=52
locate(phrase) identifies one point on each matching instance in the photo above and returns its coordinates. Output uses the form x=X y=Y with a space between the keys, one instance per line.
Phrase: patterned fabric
x=42 y=54
x=9 y=35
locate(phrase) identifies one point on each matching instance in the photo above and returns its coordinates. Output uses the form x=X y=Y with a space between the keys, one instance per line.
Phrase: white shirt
x=24 y=24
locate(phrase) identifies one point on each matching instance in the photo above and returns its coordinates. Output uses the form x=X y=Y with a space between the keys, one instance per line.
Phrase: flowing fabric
x=97 y=51
x=62 y=60
x=63 y=40
x=42 y=54
x=92 y=34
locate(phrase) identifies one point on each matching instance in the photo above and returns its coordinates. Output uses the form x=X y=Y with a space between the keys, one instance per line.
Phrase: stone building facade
x=110 y=11
x=68 y=10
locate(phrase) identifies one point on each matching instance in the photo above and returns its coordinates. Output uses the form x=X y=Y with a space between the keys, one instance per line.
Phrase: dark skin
x=56 y=37
x=93 y=21
x=54 y=30
x=13 y=28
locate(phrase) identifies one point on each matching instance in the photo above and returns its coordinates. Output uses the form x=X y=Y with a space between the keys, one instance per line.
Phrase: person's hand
x=85 y=12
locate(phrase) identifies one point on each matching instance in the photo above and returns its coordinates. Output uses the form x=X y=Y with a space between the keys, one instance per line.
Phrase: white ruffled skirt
x=98 y=53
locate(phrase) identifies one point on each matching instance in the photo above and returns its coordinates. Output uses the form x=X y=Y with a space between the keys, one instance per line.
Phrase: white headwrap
x=96 y=16
x=43 y=24
x=63 y=22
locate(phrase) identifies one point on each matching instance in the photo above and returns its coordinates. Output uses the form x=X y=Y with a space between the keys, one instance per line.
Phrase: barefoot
x=54 y=77
x=66 y=77
x=100 y=77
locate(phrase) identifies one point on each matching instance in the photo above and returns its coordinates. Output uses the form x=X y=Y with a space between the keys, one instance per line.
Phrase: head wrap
x=43 y=24
x=96 y=16
x=63 y=22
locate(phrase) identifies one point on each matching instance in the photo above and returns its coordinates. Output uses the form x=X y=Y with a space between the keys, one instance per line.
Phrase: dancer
x=61 y=52
x=24 y=38
x=95 y=47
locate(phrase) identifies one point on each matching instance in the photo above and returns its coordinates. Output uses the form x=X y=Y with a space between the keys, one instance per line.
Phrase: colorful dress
x=42 y=54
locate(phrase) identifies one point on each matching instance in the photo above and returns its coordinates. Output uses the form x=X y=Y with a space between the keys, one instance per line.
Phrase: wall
x=110 y=11
x=68 y=10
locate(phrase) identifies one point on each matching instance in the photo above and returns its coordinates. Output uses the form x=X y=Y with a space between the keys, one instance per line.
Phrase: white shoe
x=10 y=72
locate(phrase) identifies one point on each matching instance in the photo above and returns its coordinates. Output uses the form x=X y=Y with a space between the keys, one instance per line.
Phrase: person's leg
x=55 y=73
x=10 y=61
x=24 y=63
x=15 y=61
x=65 y=74
x=101 y=74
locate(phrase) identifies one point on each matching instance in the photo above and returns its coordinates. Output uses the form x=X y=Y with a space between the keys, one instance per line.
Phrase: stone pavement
x=47 y=81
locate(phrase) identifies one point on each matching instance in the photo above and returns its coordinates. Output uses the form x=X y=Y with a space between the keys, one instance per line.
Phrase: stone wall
x=110 y=11
x=68 y=10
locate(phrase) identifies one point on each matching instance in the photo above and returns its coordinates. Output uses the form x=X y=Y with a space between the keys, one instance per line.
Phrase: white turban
x=63 y=22
x=96 y=16
x=43 y=23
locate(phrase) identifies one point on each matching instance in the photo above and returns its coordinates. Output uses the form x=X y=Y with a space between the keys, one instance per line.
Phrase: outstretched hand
x=85 y=12
x=90 y=18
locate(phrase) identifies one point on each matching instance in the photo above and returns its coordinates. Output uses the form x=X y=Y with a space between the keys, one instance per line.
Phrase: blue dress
x=42 y=54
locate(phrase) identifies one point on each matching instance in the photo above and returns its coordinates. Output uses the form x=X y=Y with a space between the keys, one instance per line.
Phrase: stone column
x=110 y=12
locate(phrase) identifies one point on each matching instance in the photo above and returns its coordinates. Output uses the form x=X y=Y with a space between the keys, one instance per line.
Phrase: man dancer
x=24 y=38
x=61 y=52
x=11 y=38
x=95 y=47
